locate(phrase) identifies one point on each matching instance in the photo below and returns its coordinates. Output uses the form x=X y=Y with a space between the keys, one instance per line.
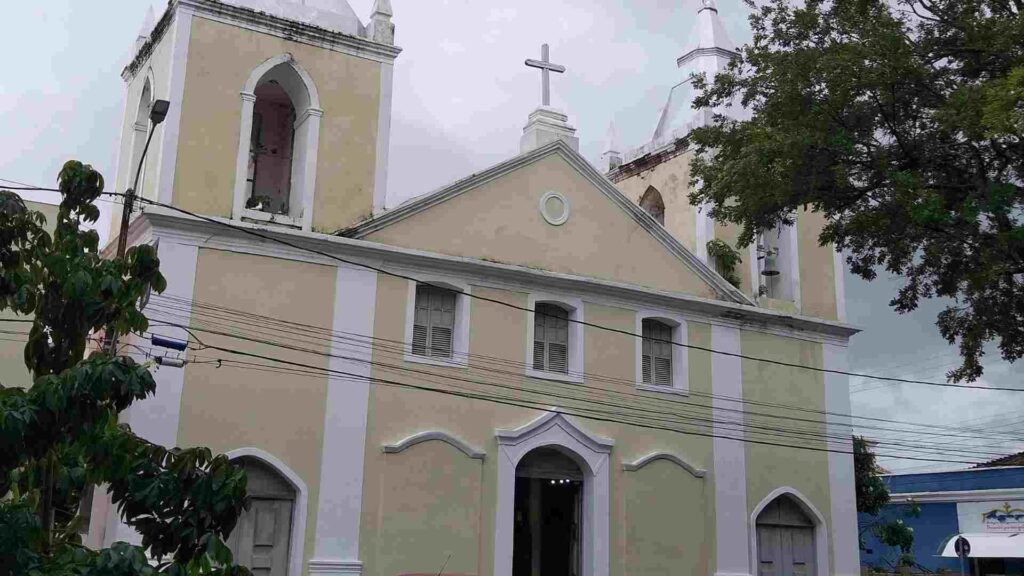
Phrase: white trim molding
x=380 y=183
x=730 y=464
x=576 y=361
x=460 y=336
x=296 y=545
x=335 y=567
x=591 y=453
x=644 y=461
x=542 y=205
x=165 y=172
x=839 y=275
x=306 y=143
x=434 y=435
x=680 y=357
x=225 y=234
x=821 y=559
x=341 y=483
x=842 y=492
x=960 y=495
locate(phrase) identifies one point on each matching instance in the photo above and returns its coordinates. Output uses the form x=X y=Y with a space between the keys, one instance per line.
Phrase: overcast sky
x=462 y=96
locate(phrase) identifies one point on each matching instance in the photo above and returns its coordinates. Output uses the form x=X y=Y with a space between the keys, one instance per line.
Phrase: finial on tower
x=611 y=158
x=707 y=5
x=382 y=29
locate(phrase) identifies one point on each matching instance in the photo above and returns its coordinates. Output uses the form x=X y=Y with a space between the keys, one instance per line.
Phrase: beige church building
x=536 y=370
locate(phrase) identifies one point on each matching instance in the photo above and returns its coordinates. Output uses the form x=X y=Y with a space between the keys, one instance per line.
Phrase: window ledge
x=447 y=363
x=556 y=376
x=662 y=389
x=282 y=219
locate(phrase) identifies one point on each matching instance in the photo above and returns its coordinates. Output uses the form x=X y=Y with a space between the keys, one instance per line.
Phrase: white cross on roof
x=546 y=67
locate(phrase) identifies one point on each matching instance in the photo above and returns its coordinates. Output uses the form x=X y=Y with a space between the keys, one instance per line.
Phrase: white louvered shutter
x=434 y=323
x=657 y=353
x=551 y=339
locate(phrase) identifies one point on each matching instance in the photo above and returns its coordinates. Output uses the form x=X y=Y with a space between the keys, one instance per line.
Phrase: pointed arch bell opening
x=275 y=172
x=653 y=204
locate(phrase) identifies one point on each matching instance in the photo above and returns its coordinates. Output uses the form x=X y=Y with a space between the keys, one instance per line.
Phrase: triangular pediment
x=503 y=215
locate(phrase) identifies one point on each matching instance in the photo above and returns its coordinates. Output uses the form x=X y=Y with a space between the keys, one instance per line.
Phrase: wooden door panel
x=260 y=540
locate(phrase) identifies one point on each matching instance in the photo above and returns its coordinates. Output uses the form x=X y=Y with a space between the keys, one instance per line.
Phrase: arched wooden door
x=785 y=540
x=260 y=540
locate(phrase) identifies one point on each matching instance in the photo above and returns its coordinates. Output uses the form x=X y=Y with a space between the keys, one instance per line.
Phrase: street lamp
x=157 y=114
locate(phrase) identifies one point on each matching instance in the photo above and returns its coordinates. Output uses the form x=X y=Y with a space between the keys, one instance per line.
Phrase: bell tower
x=785 y=269
x=280 y=111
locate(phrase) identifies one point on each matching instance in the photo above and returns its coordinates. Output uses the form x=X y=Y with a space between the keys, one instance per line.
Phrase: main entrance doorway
x=548 y=515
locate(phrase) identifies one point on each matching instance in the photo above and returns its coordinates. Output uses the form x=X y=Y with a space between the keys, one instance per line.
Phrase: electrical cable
x=306 y=337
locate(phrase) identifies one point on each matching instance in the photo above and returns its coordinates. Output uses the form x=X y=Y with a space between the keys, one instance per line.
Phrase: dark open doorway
x=548 y=515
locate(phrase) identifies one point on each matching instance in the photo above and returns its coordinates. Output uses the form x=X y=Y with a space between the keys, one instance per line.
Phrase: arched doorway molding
x=822 y=562
x=296 y=544
x=591 y=453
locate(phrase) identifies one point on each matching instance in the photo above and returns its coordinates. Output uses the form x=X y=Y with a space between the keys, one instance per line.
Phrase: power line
x=253 y=232
x=701 y=419
x=199 y=311
x=533 y=405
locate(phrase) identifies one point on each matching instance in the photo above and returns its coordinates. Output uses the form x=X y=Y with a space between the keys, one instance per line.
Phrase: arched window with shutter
x=657 y=353
x=662 y=362
x=551 y=338
x=433 y=330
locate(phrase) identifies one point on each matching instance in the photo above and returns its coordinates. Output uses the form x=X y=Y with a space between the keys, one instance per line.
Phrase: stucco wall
x=672 y=179
x=500 y=221
x=773 y=467
x=221 y=58
x=230 y=407
x=817 y=268
x=402 y=493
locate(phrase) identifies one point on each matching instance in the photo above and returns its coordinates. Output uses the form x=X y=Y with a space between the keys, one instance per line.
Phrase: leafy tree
x=903 y=123
x=60 y=437
x=887 y=526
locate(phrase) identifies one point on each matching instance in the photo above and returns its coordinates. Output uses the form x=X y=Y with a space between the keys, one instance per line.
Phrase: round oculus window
x=555 y=208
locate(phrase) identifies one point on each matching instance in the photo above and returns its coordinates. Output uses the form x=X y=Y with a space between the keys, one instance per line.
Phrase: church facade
x=530 y=371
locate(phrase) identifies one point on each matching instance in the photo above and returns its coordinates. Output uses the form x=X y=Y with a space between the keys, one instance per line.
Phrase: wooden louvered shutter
x=551 y=339
x=657 y=353
x=434 y=323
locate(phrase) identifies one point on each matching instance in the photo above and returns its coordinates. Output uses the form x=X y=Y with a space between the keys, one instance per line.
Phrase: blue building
x=985 y=505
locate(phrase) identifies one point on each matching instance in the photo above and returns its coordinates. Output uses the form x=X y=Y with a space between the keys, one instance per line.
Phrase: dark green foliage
x=727 y=258
x=872 y=498
x=61 y=437
x=902 y=123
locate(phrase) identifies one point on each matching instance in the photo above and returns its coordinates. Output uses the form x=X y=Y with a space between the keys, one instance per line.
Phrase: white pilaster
x=242 y=160
x=341 y=472
x=730 y=474
x=705 y=231
x=845 y=553
x=176 y=94
x=156 y=418
x=839 y=274
x=380 y=189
